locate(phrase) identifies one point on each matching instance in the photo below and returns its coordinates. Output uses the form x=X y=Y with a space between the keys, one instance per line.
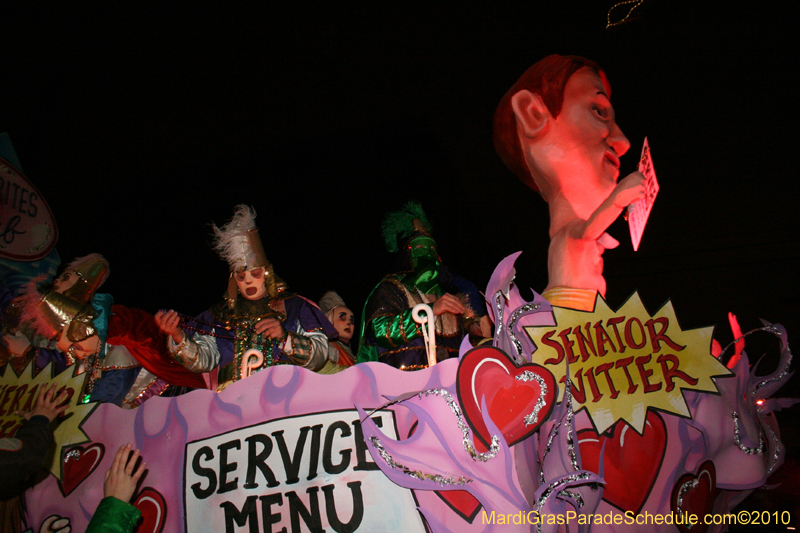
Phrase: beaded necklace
x=210 y=332
x=244 y=336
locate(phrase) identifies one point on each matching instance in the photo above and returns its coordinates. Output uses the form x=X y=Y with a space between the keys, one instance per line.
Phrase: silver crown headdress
x=330 y=301
x=239 y=244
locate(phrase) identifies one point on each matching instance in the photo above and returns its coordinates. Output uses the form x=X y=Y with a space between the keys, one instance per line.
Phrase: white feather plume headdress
x=238 y=243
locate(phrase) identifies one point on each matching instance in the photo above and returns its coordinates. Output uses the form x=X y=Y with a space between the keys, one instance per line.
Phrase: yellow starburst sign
x=623 y=362
x=19 y=393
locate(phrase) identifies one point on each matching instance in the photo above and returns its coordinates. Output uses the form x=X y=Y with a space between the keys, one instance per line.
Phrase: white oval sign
x=27 y=227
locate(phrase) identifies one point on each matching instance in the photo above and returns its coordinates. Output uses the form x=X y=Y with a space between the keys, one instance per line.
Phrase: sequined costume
x=389 y=333
x=37 y=350
x=340 y=356
x=130 y=363
x=340 y=353
x=220 y=337
x=136 y=365
x=225 y=338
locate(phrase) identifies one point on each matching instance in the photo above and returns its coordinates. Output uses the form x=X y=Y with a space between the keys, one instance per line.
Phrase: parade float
x=575 y=416
x=651 y=422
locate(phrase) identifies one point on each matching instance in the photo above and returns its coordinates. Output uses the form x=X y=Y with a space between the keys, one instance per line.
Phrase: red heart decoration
x=154 y=510
x=79 y=462
x=462 y=502
x=626 y=488
x=697 y=494
x=514 y=395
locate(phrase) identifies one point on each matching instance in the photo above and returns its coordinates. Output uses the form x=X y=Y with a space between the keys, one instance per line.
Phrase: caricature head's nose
x=617 y=140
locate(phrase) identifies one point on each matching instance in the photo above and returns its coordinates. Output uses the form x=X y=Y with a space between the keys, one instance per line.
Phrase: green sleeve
x=395 y=330
x=114 y=516
x=386 y=321
x=366 y=353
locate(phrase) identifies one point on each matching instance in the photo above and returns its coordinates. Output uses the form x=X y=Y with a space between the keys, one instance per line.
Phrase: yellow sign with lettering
x=623 y=362
x=19 y=393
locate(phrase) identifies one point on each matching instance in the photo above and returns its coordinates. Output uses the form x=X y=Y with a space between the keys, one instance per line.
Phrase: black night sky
x=141 y=125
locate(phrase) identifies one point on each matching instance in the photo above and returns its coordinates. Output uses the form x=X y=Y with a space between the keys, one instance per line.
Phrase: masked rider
x=257 y=313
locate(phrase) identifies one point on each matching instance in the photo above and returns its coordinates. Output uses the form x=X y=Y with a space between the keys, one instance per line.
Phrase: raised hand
x=47 y=405
x=170 y=324
x=121 y=479
x=448 y=303
x=271 y=327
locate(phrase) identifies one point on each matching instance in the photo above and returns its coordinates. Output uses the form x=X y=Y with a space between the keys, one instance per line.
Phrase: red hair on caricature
x=548 y=78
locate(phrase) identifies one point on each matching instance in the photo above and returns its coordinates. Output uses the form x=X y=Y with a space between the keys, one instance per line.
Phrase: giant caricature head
x=556 y=129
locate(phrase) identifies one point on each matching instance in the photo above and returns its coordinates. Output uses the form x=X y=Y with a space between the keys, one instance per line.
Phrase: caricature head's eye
x=601 y=111
x=240 y=275
x=257 y=273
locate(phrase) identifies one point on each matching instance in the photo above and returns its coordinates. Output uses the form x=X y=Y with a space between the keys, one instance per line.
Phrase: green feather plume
x=399 y=225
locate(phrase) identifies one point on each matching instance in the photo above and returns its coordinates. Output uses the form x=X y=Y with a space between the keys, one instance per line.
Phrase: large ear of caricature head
x=537 y=96
x=92 y=271
x=238 y=243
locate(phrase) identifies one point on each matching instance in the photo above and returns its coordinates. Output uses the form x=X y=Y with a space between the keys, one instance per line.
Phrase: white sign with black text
x=297 y=474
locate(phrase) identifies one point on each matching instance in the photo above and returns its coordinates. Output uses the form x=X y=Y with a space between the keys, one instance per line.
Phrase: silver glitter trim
x=574 y=496
x=512 y=322
x=441 y=480
x=533 y=418
x=777 y=454
x=570 y=442
x=498 y=306
x=550 y=439
x=583 y=476
x=464 y=427
x=686 y=487
x=72 y=454
x=570 y=414
x=776 y=377
x=782 y=374
x=554 y=433
x=737 y=438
